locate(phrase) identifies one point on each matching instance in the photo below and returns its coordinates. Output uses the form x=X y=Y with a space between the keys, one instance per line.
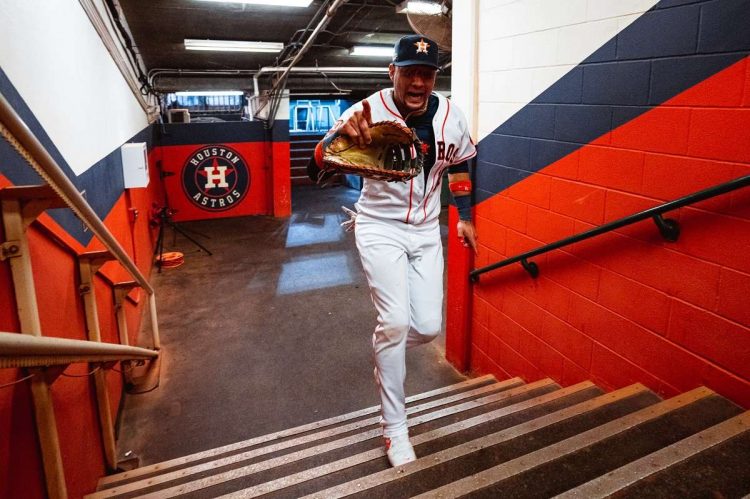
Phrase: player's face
x=412 y=86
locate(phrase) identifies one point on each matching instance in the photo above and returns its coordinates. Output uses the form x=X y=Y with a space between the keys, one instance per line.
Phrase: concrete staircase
x=301 y=149
x=483 y=438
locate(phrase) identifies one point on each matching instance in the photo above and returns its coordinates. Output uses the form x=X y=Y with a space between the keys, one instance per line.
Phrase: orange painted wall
x=627 y=306
x=61 y=314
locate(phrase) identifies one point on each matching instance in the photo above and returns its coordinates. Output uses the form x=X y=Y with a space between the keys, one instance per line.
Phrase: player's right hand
x=358 y=126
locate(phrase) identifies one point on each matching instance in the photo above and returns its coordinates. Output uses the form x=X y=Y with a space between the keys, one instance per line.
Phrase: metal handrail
x=23 y=350
x=668 y=228
x=18 y=135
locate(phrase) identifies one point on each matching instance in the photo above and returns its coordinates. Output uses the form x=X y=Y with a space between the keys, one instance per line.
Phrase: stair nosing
x=162 y=466
x=575 y=443
x=661 y=460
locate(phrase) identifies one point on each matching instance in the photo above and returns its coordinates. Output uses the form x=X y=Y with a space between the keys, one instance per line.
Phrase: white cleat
x=399 y=450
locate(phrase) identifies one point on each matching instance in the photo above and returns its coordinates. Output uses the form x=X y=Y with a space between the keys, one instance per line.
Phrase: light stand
x=162 y=217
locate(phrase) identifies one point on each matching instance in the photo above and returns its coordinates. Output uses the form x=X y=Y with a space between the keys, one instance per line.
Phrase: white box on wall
x=135 y=165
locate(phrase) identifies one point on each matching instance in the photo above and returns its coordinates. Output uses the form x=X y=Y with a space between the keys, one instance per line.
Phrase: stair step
x=299 y=447
x=304 y=139
x=305 y=151
x=712 y=463
x=422 y=398
x=492 y=482
x=298 y=168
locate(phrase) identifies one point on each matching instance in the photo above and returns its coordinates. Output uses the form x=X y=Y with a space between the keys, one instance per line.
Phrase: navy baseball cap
x=415 y=49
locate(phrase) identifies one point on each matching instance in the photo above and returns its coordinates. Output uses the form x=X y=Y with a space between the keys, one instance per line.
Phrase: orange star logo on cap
x=422 y=46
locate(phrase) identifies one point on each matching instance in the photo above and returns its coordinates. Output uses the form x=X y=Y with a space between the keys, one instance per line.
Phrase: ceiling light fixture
x=209 y=93
x=423 y=7
x=232 y=45
x=371 y=50
x=272 y=3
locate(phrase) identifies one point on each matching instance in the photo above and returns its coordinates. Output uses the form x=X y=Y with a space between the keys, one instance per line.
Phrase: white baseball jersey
x=418 y=200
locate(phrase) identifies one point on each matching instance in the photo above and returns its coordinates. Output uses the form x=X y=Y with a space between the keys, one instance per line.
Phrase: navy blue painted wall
x=670 y=48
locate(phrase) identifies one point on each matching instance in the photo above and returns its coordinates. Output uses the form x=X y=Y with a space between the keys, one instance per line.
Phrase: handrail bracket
x=530 y=267
x=669 y=228
x=10 y=249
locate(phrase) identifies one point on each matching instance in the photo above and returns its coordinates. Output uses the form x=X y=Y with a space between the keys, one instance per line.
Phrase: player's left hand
x=467 y=234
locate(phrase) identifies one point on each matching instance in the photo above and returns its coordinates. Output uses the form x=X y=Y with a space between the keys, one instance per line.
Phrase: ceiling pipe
x=278 y=87
x=156 y=72
x=255 y=73
x=315 y=71
x=321 y=25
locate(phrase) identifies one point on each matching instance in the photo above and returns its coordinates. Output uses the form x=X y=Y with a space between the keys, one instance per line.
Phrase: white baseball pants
x=404 y=268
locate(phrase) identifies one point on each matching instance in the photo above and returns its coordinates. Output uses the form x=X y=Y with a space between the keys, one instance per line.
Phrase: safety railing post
x=16 y=249
x=88 y=264
x=120 y=291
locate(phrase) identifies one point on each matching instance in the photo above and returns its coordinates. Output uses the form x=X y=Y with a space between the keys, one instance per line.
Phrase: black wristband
x=463 y=203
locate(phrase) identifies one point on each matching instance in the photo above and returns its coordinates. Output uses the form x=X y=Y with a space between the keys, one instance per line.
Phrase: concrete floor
x=271 y=332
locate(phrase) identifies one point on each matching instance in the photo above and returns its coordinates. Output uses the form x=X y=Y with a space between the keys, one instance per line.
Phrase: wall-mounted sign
x=215 y=178
x=225 y=169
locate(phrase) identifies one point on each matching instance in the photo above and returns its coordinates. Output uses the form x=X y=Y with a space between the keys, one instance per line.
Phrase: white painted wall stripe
x=57 y=62
x=527 y=45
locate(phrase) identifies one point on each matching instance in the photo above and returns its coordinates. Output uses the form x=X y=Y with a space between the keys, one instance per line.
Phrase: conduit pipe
x=278 y=87
x=156 y=72
x=316 y=70
x=255 y=73
x=321 y=25
x=113 y=48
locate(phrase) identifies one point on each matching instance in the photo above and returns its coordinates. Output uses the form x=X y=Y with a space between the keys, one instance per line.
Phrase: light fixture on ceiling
x=232 y=45
x=272 y=3
x=371 y=50
x=423 y=7
x=209 y=93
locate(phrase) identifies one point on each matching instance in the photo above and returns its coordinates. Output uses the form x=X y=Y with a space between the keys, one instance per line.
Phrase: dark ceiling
x=160 y=26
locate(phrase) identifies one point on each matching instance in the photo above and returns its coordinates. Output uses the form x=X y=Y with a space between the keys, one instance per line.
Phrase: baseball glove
x=395 y=153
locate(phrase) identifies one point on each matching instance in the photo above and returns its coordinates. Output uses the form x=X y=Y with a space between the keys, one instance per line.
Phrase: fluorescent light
x=273 y=3
x=371 y=50
x=209 y=92
x=420 y=7
x=233 y=45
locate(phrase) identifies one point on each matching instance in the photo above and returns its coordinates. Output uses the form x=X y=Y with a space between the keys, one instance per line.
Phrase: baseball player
x=397 y=230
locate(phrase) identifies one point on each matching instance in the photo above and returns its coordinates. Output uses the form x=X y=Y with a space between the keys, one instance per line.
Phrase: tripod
x=164 y=218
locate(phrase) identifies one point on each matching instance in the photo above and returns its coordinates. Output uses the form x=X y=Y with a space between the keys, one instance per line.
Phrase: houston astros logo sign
x=215 y=178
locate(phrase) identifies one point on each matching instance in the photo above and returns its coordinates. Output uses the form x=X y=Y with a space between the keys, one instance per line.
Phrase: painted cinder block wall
x=587 y=113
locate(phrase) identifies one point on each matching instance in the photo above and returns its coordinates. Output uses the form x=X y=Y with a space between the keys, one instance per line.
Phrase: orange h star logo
x=422 y=46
